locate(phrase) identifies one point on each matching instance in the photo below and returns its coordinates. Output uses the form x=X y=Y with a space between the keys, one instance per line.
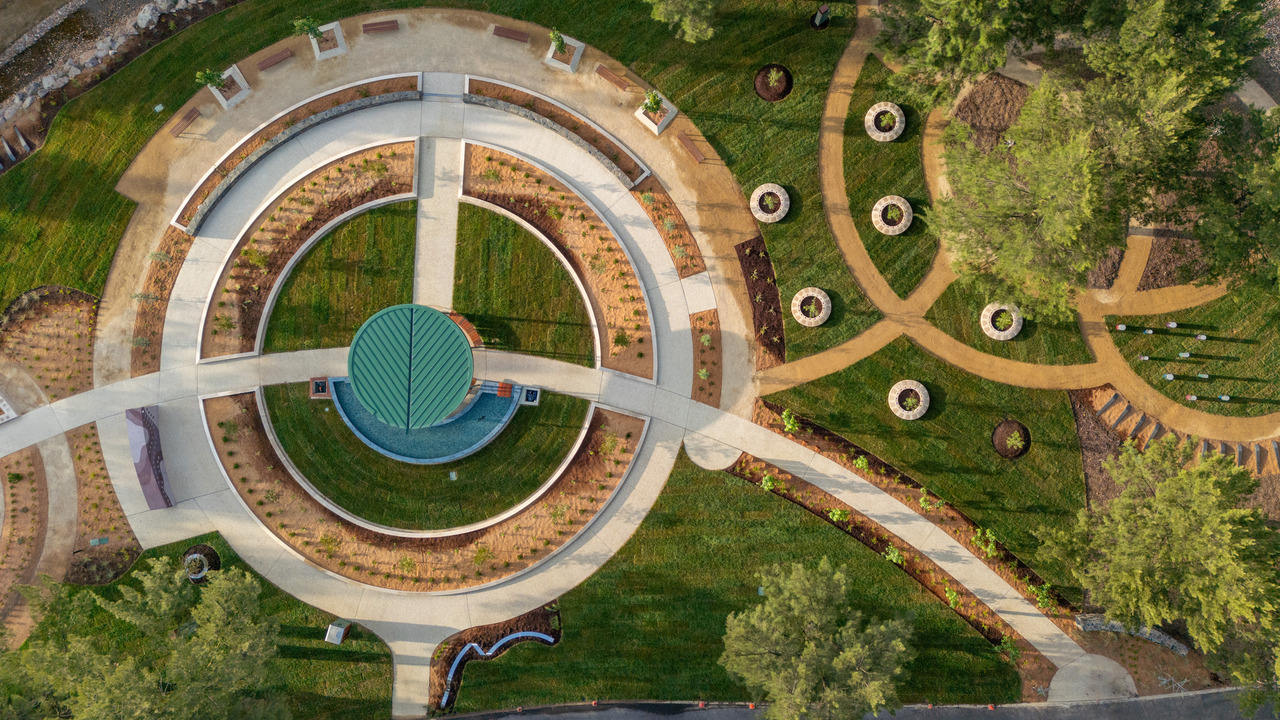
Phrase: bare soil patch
x=279 y=125
x=991 y=108
x=230 y=88
x=706 y=341
x=328 y=40
x=98 y=515
x=766 y=304
x=22 y=539
x=1003 y=439
x=564 y=118
x=421 y=564
x=1103 y=275
x=153 y=300
x=666 y=216
x=1173 y=261
x=545 y=620
x=1034 y=668
x=596 y=256
x=773 y=82
x=1097 y=443
x=231 y=324
x=49 y=331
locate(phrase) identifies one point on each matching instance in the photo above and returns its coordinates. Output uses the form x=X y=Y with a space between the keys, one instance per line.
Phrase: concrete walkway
x=439 y=186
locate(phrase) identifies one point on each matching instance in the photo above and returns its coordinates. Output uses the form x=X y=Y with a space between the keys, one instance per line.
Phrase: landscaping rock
x=148 y=17
x=1099 y=623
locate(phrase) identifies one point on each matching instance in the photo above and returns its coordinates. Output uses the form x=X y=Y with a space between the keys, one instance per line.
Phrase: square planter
x=331 y=52
x=658 y=127
x=575 y=49
x=234 y=75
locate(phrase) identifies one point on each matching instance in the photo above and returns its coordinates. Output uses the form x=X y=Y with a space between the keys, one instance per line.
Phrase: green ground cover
x=60 y=218
x=956 y=313
x=363 y=266
x=875 y=169
x=422 y=497
x=949 y=450
x=322 y=681
x=1241 y=356
x=514 y=290
x=649 y=623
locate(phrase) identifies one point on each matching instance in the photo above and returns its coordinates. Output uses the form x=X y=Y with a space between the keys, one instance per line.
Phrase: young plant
x=885 y=122
x=953 y=598
x=1009 y=648
x=1004 y=321
x=1044 y=595
x=790 y=424
x=911 y=402
x=212 y=78
x=768 y=482
x=621 y=339
x=308 y=26
x=839 y=515
x=862 y=463
x=893 y=214
x=893 y=555
x=1014 y=442
x=705 y=339
x=986 y=541
x=652 y=102
x=775 y=77
x=704 y=374
x=557 y=41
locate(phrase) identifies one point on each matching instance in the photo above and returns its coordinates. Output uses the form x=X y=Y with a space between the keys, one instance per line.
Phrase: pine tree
x=690 y=18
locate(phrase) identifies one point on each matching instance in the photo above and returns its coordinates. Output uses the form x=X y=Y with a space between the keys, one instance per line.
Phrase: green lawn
x=363 y=266
x=956 y=313
x=60 y=218
x=422 y=497
x=649 y=623
x=874 y=169
x=1241 y=356
x=514 y=290
x=322 y=681
x=950 y=450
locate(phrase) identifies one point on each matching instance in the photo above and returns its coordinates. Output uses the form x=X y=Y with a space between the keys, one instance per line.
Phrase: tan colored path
x=906 y=317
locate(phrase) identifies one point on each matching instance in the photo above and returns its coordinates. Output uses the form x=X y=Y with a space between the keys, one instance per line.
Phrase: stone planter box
x=824 y=301
x=988 y=321
x=662 y=124
x=877 y=215
x=233 y=73
x=899 y=124
x=784 y=203
x=896 y=406
x=332 y=52
x=575 y=48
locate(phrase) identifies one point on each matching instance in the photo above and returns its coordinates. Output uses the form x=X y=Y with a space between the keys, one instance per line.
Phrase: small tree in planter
x=776 y=77
x=212 y=78
x=557 y=42
x=652 y=103
x=308 y=26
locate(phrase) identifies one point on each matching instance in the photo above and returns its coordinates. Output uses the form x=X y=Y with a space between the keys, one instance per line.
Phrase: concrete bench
x=687 y=143
x=510 y=34
x=185 y=122
x=383 y=26
x=274 y=60
x=617 y=80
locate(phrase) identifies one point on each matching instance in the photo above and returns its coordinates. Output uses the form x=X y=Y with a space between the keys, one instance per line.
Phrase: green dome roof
x=410 y=366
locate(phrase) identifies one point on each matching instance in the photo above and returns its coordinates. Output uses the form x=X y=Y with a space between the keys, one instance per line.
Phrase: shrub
x=1044 y=595
x=770 y=202
x=1015 y=442
x=621 y=339
x=1003 y=321
x=893 y=555
x=652 y=102
x=212 y=78
x=768 y=482
x=705 y=339
x=789 y=422
x=1009 y=648
x=307 y=26
x=704 y=373
x=862 y=463
x=557 y=41
x=838 y=515
x=953 y=598
x=775 y=77
x=893 y=214
x=986 y=541
x=911 y=402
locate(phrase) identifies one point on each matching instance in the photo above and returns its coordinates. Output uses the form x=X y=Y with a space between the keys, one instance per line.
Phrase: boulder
x=74 y=72
x=164 y=6
x=148 y=17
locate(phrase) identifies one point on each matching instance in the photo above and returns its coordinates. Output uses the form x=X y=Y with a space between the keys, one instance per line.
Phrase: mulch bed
x=707 y=323
x=1104 y=274
x=1008 y=429
x=98 y=514
x=1173 y=261
x=49 y=332
x=545 y=619
x=1097 y=443
x=153 y=303
x=1034 y=668
x=766 y=304
x=771 y=93
x=991 y=108
x=671 y=225
x=22 y=537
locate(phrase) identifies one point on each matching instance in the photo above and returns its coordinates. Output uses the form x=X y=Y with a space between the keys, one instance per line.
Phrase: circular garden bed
x=909 y=400
x=892 y=215
x=770 y=203
x=811 y=307
x=1001 y=322
x=773 y=82
x=1011 y=439
x=884 y=122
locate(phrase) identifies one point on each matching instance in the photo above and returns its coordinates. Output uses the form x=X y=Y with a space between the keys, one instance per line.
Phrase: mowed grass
x=363 y=266
x=949 y=450
x=1241 y=355
x=321 y=681
x=61 y=219
x=650 y=623
x=957 y=311
x=422 y=497
x=514 y=290
x=875 y=169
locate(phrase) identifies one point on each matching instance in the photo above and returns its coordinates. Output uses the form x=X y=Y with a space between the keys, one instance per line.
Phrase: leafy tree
x=810 y=653
x=165 y=599
x=212 y=78
x=1177 y=546
x=691 y=17
x=308 y=26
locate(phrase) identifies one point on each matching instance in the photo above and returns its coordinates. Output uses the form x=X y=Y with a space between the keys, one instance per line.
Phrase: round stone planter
x=900 y=391
x=879 y=215
x=761 y=212
x=824 y=307
x=881 y=110
x=988 y=321
x=198 y=561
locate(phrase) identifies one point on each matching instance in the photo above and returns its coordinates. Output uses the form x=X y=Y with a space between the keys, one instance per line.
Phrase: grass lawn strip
x=363 y=266
x=516 y=293
x=949 y=450
x=649 y=623
x=1241 y=356
x=956 y=313
x=422 y=497
x=352 y=682
x=874 y=169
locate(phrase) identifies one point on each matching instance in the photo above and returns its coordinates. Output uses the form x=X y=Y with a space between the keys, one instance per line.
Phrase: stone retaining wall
x=1099 y=623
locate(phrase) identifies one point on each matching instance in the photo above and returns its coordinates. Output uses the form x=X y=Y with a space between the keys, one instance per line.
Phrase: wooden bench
x=687 y=143
x=185 y=122
x=383 y=26
x=510 y=34
x=274 y=60
x=613 y=77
